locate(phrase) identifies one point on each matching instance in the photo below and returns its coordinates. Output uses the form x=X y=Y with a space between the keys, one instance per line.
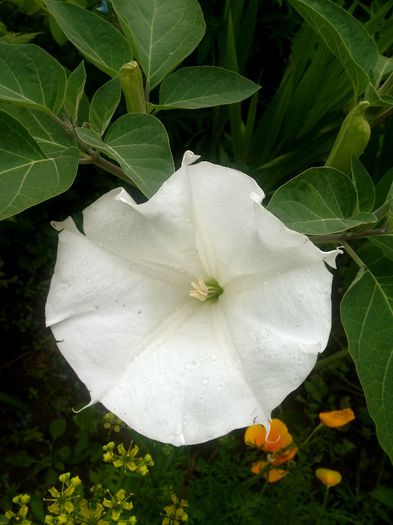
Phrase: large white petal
x=100 y=307
x=278 y=327
x=187 y=386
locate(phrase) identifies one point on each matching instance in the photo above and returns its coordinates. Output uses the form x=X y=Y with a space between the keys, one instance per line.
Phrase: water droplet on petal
x=205 y=380
x=214 y=357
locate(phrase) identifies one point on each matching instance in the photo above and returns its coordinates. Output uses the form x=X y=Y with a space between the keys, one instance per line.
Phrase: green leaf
x=57 y=428
x=28 y=175
x=103 y=105
x=345 y=37
x=74 y=92
x=162 y=32
x=318 y=201
x=139 y=143
x=205 y=86
x=31 y=77
x=364 y=186
x=367 y=316
x=49 y=135
x=98 y=40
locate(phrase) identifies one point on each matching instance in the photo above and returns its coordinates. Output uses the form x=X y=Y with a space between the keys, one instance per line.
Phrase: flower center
x=205 y=290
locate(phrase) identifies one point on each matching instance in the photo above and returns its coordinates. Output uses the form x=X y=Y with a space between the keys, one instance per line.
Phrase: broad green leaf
x=27 y=174
x=364 y=186
x=139 y=143
x=103 y=105
x=50 y=136
x=367 y=316
x=31 y=77
x=98 y=40
x=345 y=37
x=318 y=201
x=162 y=32
x=202 y=87
x=74 y=92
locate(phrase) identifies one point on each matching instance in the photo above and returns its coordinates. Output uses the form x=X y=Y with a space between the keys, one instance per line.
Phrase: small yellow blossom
x=337 y=418
x=328 y=477
x=62 y=504
x=117 y=504
x=175 y=513
x=112 y=422
x=127 y=460
x=21 y=514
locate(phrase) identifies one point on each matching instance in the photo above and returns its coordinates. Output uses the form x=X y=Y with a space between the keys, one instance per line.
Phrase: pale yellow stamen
x=199 y=290
x=204 y=290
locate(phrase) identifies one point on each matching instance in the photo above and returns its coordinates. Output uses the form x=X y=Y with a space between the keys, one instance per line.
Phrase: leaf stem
x=342 y=237
x=353 y=254
x=92 y=157
x=108 y=166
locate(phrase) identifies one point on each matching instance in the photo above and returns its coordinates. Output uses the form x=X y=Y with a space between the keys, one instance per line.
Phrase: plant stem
x=353 y=254
x=312 y=433
x=342 y=237
x=110 y=167
x=92 y=157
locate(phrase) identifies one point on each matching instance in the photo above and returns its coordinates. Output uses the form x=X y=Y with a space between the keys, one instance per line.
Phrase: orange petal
x=254 y=436
x=278 y=436
x=272 y=475
x=336 y=418
x=279 y=458
x=330 y=478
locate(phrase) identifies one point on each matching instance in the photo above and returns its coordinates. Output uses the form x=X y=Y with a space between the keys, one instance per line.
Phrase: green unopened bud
x=352 y=139
x=131 y=82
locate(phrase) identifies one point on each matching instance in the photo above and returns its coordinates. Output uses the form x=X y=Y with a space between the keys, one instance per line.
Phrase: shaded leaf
x=318 y=201
x=345 y=37
x=28 y=175
x=367 y=316
x=205 y=86
x=364 y=186
x=31 y=77
x=139 y=143
x=162 y=32
x=103 y=105
x=74 y=92
x=98 y=40
x=57 y=428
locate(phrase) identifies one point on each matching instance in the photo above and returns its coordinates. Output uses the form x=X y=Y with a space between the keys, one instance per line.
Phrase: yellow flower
x=272 y=475
x=330 y=478
x=336 y=418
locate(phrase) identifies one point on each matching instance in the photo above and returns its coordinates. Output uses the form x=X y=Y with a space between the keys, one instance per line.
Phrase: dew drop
x=205 y=380
x=188 y=366
x=214 y=357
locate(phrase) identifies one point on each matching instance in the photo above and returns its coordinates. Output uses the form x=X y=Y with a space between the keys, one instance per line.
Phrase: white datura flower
x=191 y=314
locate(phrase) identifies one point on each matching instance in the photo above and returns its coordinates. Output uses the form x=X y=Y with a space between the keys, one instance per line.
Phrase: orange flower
x=336 y=418
x=278 y=437
x=330 y=478
x=272 y=475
